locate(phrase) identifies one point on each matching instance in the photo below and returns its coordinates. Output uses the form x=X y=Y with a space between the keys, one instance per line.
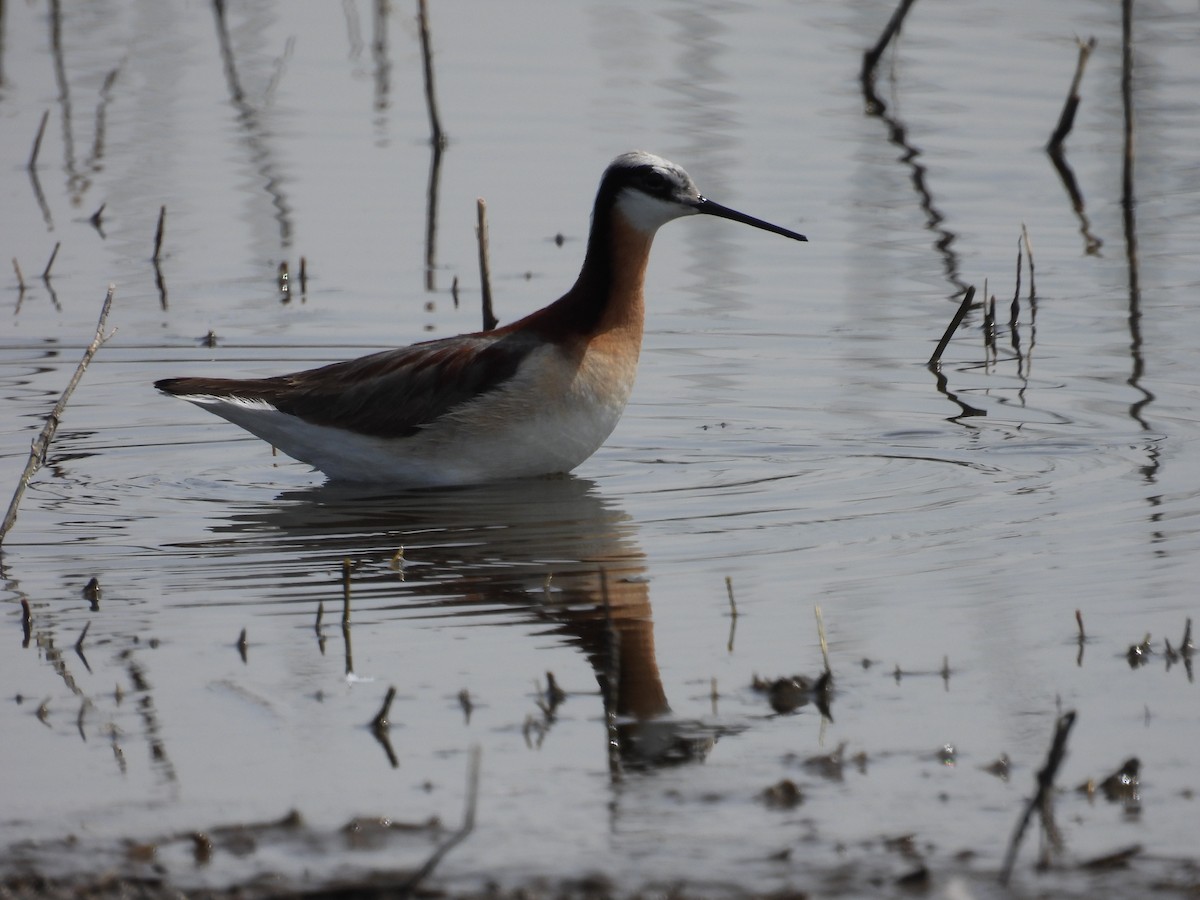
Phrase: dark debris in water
x=1000 y=767
x=784 y=794
x=790 y=693
x=1139 y=654
x=1122 y=786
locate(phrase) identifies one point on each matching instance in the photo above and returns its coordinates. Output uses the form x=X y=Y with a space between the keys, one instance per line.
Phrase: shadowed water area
x=196 y=635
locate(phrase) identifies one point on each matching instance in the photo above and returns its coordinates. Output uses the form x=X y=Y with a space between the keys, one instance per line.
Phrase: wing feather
x=390 y=394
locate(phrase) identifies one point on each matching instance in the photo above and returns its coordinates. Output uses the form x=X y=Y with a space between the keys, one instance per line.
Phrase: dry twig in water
x=822 y=638
x=50 y=262
x=41 y=444
x=158 y=233
x=1029 y=256
x=935 y=360
x=485 y=269
x=381 y=721
x=1067 y=119
x=871 y=57
x=37 y=142
x=1040 y=800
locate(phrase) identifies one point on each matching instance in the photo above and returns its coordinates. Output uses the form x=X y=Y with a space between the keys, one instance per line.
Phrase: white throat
x=647 y=214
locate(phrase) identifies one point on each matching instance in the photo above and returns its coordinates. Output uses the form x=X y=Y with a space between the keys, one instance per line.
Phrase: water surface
x=785 y=434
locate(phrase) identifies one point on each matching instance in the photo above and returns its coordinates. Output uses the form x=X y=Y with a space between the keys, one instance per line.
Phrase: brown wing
x=390 y=394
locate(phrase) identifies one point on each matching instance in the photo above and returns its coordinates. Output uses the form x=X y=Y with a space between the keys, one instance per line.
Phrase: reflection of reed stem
x=437 y=137
x=1128 y=208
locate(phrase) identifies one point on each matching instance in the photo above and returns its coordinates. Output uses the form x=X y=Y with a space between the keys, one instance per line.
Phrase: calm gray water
x=784 y=434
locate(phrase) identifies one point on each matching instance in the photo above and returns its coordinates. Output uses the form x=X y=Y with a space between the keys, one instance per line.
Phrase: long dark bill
x=709 y=208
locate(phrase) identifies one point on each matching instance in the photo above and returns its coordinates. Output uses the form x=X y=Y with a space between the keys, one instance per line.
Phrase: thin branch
x=821 y=637
x=50 y=262
x=1045 y=784
x=1029 y=256
x=158 y=233
x=1067 y=118
x=37 y=142
x=871 y=57
x=381 y=721
x=952 y=327
x=41 y=444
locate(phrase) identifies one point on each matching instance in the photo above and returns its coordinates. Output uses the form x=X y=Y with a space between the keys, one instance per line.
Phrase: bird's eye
x=656 y=181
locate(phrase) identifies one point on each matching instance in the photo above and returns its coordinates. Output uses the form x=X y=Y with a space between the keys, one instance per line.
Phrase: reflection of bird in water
x=562 y=555
x=536 y=397
x=608 y=613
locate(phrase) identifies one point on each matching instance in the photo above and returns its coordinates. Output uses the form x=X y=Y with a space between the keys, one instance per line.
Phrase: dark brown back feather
x=390 y=394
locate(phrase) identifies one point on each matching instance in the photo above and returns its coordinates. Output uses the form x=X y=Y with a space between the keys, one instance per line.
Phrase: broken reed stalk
x=20 y=277
x=381 y=722
x=41 y=444
x=437 y=137
x=158 y=233
x=1045 y=784
x=1029 y=256
x=1067 y=118
x=485 y=269
x=37 y=142
x=1014 y=309
x=468 y=825
x=952 y=327
x=871 y=57
x=50 y=262
x=821 y=637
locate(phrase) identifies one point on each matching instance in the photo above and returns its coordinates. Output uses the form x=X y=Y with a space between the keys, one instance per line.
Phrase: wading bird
x=536 y=397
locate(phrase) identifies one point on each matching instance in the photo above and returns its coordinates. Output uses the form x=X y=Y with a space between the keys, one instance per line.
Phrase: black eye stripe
x=656 y=181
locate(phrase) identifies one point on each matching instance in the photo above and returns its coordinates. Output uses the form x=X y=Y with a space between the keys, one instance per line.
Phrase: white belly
x=549 y=418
